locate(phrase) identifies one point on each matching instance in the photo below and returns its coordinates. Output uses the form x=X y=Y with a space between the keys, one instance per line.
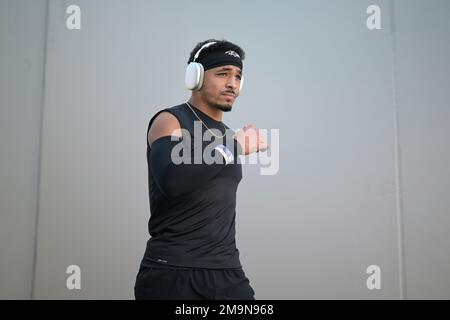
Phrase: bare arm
x=165 y=124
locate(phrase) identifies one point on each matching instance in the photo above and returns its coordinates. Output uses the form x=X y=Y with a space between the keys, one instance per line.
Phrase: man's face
x=221 y=86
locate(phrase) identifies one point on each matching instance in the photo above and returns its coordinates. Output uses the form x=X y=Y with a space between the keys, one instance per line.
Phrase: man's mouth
x=229 y=94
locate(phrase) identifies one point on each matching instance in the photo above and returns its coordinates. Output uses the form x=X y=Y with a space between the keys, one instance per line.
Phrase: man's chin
x=224 y=107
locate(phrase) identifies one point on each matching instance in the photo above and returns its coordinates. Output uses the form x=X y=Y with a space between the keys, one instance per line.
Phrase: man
x=192 y=252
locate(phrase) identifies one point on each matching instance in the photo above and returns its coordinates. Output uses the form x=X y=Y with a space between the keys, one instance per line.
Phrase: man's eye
x=221 y=74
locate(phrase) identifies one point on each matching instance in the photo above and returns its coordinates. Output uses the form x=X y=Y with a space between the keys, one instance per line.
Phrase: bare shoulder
x=165 y=124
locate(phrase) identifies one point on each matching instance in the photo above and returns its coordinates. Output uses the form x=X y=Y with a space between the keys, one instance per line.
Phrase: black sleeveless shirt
x=197 y=228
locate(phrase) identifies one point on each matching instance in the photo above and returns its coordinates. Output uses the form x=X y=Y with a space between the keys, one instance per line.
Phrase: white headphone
x=195 y=72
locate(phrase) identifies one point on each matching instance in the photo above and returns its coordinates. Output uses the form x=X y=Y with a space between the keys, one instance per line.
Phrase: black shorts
x=154 y=281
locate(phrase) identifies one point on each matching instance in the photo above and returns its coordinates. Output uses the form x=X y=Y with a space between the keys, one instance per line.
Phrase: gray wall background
x=363 y=118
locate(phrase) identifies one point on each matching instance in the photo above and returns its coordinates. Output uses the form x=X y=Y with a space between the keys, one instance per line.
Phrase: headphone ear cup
x=242 y=83
x=202 y=75
x=194 y=76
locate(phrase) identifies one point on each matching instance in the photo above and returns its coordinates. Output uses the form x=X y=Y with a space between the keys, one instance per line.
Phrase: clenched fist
x=250 y=140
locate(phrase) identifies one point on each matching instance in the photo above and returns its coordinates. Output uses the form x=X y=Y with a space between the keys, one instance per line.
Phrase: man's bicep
x=165 y=124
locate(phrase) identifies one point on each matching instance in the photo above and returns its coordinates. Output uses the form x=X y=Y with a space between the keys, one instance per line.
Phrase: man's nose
x=232 y=83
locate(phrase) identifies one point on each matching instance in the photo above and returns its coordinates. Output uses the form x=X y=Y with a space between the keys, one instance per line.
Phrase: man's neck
x=214 y=113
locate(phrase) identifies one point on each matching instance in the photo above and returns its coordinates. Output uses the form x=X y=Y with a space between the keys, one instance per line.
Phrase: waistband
x=157 y=265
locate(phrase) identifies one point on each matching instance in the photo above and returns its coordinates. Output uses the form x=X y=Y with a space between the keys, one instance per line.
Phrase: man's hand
x=250 y=140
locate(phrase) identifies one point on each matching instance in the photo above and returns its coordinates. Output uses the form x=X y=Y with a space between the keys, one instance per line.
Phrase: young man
x=192 y=251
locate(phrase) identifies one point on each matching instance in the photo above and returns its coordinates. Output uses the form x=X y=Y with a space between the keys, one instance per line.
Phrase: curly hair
x=220 y=45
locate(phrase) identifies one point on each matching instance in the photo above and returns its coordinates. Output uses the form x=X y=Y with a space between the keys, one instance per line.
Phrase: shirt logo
x=226 y=153
x=233 y=53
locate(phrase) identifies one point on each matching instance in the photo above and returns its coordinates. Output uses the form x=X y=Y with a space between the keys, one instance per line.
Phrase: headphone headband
x=200 y=50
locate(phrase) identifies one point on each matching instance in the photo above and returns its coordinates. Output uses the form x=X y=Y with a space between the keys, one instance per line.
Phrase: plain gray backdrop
x=363 y=118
